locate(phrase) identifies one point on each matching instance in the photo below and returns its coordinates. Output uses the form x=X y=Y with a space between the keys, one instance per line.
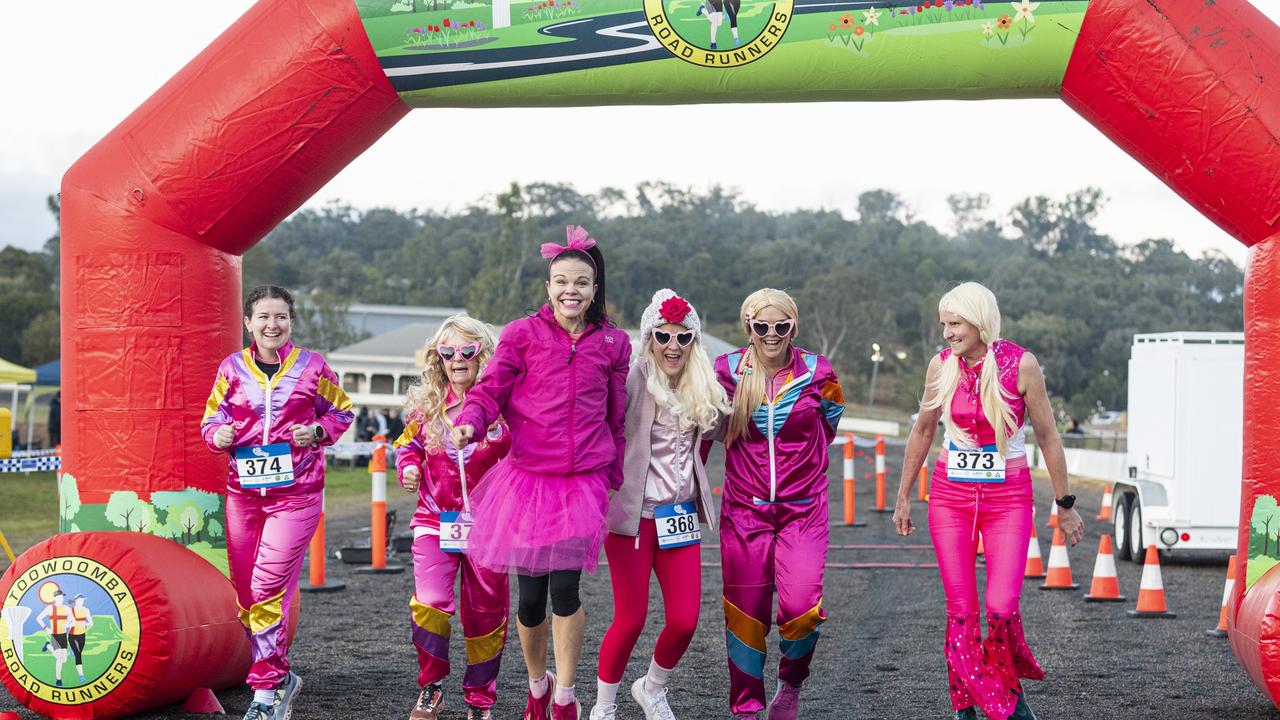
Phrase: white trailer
x=1186 y=400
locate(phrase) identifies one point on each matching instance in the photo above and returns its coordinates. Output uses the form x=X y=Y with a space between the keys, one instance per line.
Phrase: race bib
x=455 y=528
x=985 y=465
x=677 y=525
x=264 y=466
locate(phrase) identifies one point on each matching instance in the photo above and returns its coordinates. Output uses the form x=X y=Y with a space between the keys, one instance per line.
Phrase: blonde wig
x=751 y=386
x=425 y=400
x=976 y=305
x=697 y=399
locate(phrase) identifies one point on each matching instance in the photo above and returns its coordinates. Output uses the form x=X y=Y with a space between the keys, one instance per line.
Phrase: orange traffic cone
x=1059 y=577
x=1053 y=516
x=1105 y=512
x=1035 y=566
x=1221 y=630
x=1151 y=591
x=1106 y=586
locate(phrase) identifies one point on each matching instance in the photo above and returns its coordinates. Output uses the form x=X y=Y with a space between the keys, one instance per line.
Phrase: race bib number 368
x=677 y=525
x=264 y=466
x=983 y=465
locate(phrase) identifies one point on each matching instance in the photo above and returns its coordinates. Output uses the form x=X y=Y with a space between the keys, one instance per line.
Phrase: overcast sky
x=88 y=64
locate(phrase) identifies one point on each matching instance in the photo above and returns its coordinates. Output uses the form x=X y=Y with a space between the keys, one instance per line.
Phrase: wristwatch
x=318 y=432
x=1066 y=502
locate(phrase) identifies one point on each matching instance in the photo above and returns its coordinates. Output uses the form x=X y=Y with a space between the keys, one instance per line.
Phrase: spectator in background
x=380 y=426
x=395 y=425
x=55 y=420
x=363 y=424
x=1073 y=427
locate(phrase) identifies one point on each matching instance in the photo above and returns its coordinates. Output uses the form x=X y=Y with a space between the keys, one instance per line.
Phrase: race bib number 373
x=264 y=466
x=983 y=465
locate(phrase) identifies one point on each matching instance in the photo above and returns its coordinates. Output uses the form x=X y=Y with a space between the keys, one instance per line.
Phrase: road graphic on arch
x=592 y=42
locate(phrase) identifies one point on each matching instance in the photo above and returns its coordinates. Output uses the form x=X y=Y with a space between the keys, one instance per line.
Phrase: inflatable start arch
x=156 y=215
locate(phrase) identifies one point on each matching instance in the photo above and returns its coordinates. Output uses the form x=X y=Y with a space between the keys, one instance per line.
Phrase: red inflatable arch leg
x=154 y=216
x=153 y=219
x=1191 y=89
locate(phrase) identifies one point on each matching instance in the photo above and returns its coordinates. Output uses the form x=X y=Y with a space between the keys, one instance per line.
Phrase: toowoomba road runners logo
x=718 y=33
x=71 y=630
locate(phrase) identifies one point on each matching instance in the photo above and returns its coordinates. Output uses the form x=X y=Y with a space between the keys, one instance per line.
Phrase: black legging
x=732 y=6
x=77 y=646
x=563 y=585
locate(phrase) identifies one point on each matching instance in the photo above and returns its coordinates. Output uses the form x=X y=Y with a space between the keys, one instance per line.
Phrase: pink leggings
x=679 y=570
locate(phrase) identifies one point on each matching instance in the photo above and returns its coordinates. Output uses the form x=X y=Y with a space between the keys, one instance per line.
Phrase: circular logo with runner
x=719 y=33
x=70 y=630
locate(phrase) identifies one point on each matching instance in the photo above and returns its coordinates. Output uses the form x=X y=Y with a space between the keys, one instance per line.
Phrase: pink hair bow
x=576 y=238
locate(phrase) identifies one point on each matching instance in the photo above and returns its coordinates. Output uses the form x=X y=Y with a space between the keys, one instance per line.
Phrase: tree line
x=1068 y=292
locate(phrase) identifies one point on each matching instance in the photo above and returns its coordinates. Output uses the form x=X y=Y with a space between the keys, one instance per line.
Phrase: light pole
x=876 y=357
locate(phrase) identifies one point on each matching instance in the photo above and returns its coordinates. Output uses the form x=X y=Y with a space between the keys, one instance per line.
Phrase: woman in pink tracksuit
x=672 y=400
x=273 y=408
x=429 y=464
x=982 y=486
x=787 y=403
x=559 y=378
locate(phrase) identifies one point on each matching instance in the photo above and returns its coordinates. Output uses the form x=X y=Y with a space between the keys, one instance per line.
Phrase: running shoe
x=702 y=9
x=475 y=713
x=967 y=714
x=786 y=702
x=655 y=707
x=285 y=695
x=430 y=703
x=604 y=712
x=572 y=711
x=540 y=708
x=258 y=711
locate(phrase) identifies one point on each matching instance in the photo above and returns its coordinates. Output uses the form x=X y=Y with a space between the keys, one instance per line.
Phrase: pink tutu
x=538 y=523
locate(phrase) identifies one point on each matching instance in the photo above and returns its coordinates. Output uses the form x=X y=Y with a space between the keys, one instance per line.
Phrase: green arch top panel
x=493 y=53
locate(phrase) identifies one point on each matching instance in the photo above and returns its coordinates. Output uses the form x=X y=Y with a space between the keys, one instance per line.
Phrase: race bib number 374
x=264 y=466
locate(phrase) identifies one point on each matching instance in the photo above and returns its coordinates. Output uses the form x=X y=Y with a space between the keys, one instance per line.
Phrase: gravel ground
x=880 y=653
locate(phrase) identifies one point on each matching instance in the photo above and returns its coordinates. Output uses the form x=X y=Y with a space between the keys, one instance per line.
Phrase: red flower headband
x=674 y=310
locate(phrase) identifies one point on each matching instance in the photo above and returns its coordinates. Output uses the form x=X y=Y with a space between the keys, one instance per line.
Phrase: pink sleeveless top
x=966 y=407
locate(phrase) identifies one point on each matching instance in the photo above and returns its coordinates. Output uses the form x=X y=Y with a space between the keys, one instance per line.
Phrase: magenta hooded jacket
x=784 y=456
x=304 y=390
x=565 y=401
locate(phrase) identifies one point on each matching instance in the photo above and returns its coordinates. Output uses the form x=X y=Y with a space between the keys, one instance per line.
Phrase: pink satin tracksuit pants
x=267 y=538
x=485 y=604
x=764 y=546
x=984 y=673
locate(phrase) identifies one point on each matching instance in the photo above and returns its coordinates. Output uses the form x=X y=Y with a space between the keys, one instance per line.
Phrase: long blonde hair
x=750 y=391
x=697 y=400
x=976 y=305
x=425 y=400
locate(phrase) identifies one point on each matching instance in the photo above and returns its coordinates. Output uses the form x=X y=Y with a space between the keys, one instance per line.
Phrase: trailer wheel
x=1137 y=543
x=1120 y=525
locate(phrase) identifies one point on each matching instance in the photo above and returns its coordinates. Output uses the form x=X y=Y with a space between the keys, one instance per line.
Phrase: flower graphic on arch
x=1024 y=8
x=846 y=21
x=1004 y=22
x=988 y=29
x=871 y=17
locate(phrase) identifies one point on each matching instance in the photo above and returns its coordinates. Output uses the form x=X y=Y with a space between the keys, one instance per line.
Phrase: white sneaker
x=654 y=707
x=604 y=712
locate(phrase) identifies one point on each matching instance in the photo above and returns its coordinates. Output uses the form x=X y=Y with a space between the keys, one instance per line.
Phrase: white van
x=1186 y=416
